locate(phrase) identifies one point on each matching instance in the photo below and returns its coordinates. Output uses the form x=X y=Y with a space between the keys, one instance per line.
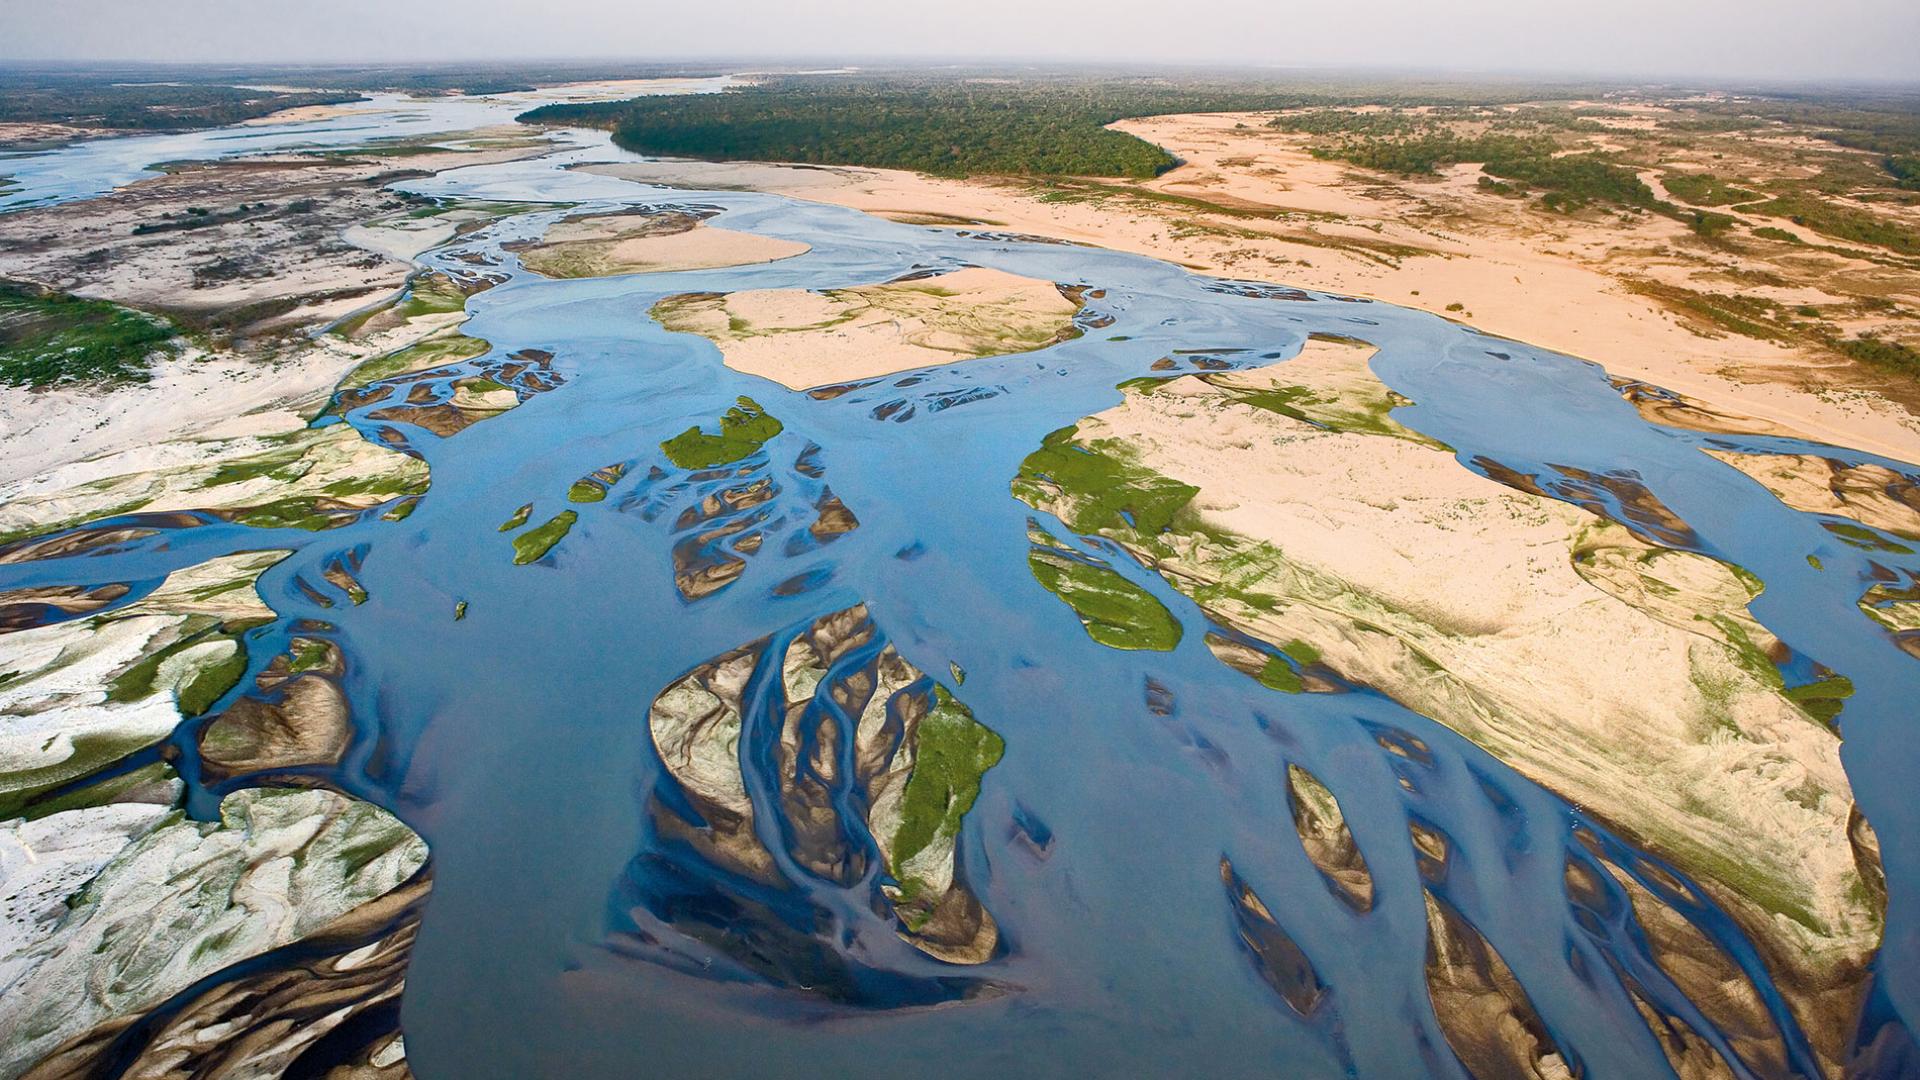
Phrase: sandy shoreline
x=1557 y=290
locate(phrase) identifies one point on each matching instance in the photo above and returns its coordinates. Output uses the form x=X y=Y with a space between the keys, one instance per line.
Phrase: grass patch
x=430 y=353
x=52 y=339
x=594 y=486
x=1878 y=351
x=1116 y=612
x=200 y=690
x=1823 y=699
x=952 y=752
x=432 y=294
x=91 y=753
x=1279 y=675
x=1105 y=489
x=743 y=431
x=533 y=545
x=100 y=793
x=211 y=683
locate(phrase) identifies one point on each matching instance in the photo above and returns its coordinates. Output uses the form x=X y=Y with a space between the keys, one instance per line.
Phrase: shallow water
x=516 y=739
x=93 y=167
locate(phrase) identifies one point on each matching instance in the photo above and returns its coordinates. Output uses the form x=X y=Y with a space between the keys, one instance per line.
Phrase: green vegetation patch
x=91 y=753
x=1105 y=488
x=430 y=353
x=952 y=752
x=158 y=775
x=940 y=126
x=1705 y=189
x=593 y=487
x=1878 y=351
x=518 y=519
x=211 y=683
x=432 y=294
x=140 y=100
x=201 y=688
x=743 y=431
x=533 y=545
x=52 y=339
x=1822 y=699
x=1279 y=675
x=1842 y=222
x=1754 y=316
x=1116 y=612
x=1864 y=538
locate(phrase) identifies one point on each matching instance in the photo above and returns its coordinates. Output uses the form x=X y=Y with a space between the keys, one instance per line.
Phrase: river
x=516 y=739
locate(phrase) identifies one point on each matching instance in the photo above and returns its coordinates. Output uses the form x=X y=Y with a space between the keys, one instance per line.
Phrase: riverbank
x=1252 y=201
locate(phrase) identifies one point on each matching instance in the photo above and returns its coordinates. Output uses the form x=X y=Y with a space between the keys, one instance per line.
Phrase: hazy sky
x=1784 y=39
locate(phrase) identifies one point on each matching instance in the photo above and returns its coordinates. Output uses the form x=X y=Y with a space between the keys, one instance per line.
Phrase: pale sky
x=1752 y=39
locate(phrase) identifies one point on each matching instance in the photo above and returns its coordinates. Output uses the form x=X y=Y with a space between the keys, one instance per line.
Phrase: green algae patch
x=518 y=519
x=1105 y=488
x=533 y=545
x=1116 y=612
x=954 y=751
x=743 y=431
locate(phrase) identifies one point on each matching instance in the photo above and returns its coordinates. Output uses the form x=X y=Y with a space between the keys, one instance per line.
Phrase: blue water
x=516 y=740
x=93 y=167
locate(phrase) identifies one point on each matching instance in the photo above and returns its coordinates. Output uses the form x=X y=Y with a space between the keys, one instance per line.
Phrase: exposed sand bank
x=802 y=339
x=1268 y=209
x=603 y=245
x=1646 y=697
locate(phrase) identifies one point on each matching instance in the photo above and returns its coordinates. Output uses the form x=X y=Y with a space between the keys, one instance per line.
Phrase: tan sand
x=805 y=339
x=613 y=244
x=1412 y=574
x=1551 y=282
x=306 y=114
x=1870 y=494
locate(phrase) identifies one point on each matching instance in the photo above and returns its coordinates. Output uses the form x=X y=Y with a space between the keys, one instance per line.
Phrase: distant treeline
x=146 y=107
x=951 y=126
x=177 y=97
x=1883 y=122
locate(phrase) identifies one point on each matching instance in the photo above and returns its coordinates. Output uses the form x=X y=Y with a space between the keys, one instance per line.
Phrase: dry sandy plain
x=1251 y=201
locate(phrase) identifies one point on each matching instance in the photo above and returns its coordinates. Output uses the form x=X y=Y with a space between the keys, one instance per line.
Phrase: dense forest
x=956 y=126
